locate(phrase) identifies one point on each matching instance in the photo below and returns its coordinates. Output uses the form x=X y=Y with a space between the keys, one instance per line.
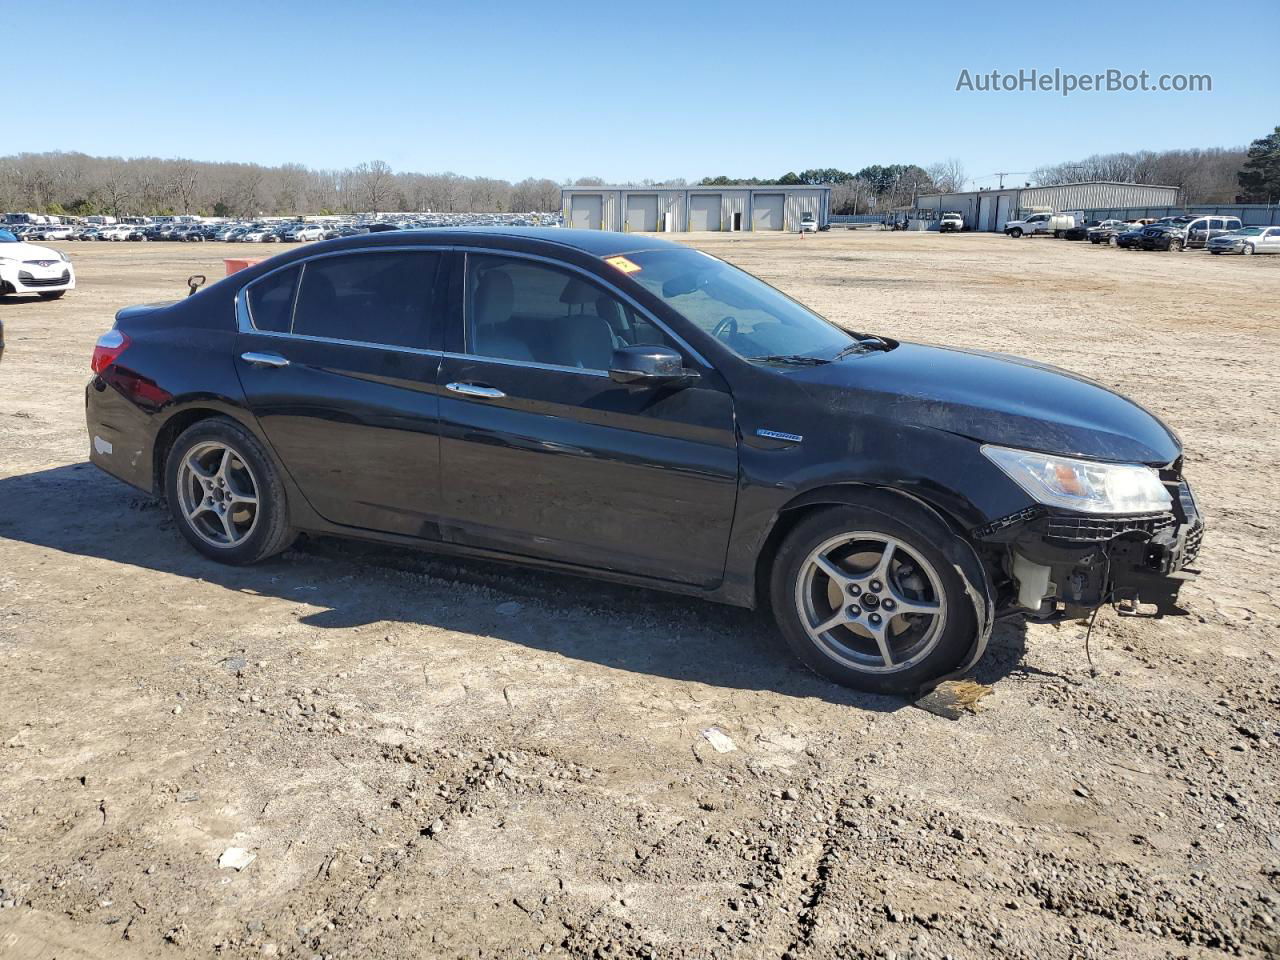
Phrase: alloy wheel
x=218 y=494
x=870 y=602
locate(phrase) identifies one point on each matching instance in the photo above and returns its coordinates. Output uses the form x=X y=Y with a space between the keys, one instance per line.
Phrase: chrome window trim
x=244 y=319
x=531 y=364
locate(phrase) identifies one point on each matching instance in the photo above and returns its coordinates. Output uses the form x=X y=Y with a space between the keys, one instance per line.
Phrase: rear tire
x=848 y=568
x=225 y=493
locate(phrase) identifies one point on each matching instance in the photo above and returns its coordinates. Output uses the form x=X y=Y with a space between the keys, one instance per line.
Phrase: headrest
x=495 y=298
x=578 y=292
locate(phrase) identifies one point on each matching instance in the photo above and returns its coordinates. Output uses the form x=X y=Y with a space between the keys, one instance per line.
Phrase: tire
x=1016 y=232
x=1114 y=241
x=1215 y=252
x=52 y=295
x=921 y=569
x=1057 y=234
x=1248 y=250
x=1176 y=246
x=237 y=533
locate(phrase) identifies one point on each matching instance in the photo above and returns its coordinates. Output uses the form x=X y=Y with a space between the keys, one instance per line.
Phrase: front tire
x=225 y=493
x=872 y=600
x=1016 y=232
x=1248 y=250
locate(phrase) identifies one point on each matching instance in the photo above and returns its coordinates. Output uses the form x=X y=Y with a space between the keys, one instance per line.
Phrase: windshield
x=747 y=315
x=1248 y=231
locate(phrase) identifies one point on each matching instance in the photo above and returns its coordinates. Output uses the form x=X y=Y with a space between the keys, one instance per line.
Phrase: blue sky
x=628 y=91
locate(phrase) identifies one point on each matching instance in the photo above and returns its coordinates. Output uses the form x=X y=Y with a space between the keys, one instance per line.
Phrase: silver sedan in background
x=1248 y=240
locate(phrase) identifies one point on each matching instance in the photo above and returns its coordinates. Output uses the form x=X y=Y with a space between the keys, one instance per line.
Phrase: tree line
x=1206 y=175
x=79 y=184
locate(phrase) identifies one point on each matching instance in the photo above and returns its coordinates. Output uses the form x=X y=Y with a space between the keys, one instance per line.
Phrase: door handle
x=264 y=359
x=475 y=390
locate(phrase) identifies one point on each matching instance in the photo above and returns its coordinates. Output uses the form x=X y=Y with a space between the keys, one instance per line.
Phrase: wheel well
x=800 y=508
x=166 y=437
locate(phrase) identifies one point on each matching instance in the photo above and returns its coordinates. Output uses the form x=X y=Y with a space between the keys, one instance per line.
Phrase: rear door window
x=387 y=298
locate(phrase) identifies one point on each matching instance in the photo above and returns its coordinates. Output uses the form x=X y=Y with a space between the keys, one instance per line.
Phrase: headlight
x=1083 y=485
x=62 y=256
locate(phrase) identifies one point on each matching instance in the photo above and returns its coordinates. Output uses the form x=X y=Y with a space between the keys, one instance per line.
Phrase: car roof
x=593 y=242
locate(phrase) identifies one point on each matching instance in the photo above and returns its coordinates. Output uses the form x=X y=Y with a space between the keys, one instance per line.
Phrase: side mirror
x=647 y=364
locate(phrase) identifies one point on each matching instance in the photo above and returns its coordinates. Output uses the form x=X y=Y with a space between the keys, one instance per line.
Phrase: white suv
x=28 y=268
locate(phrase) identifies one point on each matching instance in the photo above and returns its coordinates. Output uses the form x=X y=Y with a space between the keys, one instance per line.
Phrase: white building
x=990 y=210
x=672 y=209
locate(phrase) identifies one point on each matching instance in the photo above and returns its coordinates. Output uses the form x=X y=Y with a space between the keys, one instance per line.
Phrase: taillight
x=108 y=348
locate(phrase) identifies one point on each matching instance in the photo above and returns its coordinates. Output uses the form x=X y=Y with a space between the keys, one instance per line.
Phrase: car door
x=543 y=455
x=1270 y=241
x=338 y=358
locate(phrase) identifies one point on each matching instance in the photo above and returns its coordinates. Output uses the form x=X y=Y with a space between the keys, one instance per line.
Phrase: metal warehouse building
x=668 y=209
x=992 y=209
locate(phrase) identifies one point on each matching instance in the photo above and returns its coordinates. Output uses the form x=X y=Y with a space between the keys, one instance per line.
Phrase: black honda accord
x=633 y=409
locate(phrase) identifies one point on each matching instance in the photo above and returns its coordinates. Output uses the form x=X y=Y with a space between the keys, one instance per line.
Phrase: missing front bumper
x=1054 y=564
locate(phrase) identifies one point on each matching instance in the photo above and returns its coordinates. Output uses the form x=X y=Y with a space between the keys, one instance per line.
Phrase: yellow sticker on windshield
x=623 y=264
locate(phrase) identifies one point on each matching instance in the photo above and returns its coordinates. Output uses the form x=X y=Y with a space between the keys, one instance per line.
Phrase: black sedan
x=633 y=409
x=1129 y=239
x=1163 y=236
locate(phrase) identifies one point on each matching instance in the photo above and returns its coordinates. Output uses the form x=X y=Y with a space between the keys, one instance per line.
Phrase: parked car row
x=1217 y=234
x=268 y=231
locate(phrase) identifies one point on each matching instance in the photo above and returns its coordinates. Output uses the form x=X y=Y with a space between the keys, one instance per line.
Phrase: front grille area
x=27 y=280
x=1102 y=529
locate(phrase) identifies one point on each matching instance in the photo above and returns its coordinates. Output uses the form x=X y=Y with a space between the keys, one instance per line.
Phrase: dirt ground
x=430 y=758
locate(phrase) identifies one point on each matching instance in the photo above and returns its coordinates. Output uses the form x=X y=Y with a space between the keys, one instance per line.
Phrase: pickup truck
x=951 y=223
x=1042 y=224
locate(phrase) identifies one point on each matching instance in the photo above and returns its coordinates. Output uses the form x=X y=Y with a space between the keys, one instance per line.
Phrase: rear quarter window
x=271 y=301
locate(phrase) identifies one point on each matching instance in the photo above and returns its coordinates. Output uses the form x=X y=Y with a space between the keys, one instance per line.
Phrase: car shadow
x=628 y=628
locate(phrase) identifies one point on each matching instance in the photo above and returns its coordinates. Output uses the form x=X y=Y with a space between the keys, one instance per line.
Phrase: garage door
x=1002 y=212
x=984 y=213
x=586 y=211
x=704 y=211
x=642 y=211
x=766 y=211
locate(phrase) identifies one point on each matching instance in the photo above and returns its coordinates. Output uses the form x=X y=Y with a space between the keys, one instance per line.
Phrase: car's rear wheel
x=225 y=493
x=871 y=600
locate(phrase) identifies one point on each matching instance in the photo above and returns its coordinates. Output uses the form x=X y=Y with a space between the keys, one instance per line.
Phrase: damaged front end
x=1053 y=564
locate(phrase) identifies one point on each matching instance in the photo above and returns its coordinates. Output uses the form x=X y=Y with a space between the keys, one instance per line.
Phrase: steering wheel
x=727 y=325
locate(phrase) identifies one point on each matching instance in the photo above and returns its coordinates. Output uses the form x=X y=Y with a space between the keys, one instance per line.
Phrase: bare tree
x=948 y=176
x=375 y=183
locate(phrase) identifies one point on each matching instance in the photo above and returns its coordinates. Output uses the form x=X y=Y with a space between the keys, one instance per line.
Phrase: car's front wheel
x=1016 y=232
x=225 y=493
x=872 y=600
x=1248 y=250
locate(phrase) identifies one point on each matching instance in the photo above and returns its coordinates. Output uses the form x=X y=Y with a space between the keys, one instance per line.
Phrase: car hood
x=27 y=251
x=995 y=398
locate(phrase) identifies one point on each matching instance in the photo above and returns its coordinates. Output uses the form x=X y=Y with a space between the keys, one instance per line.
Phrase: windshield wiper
x=795 y=358
x=863 y=344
